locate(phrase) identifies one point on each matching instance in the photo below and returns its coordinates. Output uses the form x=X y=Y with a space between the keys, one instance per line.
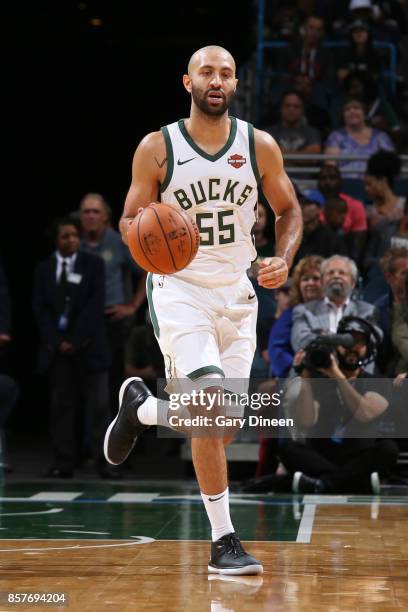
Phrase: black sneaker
x=122 y=433
x=304 y=484
x=229 y=557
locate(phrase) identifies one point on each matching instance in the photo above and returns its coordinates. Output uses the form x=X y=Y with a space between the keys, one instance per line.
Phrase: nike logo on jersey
x=181 y=163
x=251 y=296
x=216 y=498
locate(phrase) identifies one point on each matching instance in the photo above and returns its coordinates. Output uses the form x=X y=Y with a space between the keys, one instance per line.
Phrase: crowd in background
x=352 y=261
x=329 y=84
x=330 y=87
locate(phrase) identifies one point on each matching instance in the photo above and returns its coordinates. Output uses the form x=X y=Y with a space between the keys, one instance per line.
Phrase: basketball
x=162 y=239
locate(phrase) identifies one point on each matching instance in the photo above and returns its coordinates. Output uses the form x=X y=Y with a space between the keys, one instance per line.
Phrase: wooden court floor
x=127 y=547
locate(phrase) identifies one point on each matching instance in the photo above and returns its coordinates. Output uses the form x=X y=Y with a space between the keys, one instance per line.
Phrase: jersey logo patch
x=236 y=160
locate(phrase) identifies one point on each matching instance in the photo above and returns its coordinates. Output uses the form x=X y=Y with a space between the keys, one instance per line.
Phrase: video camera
x=318 y=351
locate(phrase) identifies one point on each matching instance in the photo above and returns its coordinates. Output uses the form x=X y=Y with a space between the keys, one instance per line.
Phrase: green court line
x=169 y=513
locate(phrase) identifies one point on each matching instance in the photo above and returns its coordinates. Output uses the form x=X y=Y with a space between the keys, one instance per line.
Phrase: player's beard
x=201 y=100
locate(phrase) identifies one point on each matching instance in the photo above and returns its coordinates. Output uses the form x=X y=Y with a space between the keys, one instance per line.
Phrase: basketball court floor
x=95 y=546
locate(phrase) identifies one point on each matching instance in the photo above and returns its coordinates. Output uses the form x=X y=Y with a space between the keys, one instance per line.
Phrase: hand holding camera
x=318 y=355
x=333 y=371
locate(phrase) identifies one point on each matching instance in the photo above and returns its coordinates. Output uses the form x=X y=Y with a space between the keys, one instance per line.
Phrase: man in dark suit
x=69 y=309
x=339 y=277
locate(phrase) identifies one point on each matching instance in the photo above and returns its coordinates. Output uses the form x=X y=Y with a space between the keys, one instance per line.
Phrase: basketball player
x=210 y=165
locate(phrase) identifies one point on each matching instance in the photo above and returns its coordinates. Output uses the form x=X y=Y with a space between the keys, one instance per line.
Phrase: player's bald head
x=207 y=54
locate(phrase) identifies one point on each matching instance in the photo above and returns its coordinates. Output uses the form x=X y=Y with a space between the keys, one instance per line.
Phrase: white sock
x=147 y=412
x=156 y=412
x=218 y=513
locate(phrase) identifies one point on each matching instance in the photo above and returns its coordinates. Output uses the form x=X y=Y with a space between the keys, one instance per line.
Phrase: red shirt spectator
x=356 y=216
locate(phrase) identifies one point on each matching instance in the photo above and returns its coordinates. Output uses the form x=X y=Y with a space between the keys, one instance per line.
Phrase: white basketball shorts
x=203 y=331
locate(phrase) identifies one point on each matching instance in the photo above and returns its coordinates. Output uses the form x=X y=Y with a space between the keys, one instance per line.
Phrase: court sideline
x=144 y=547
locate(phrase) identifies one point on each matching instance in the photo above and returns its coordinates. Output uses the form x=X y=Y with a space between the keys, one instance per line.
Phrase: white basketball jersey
x=220 y=193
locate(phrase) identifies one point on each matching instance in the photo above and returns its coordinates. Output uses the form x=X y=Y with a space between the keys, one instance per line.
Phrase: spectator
x=318 y=239
x=382 y=169
x=394 y=264
x=284 y=22
x=339 y=277
x=356 y=138
x=361 y=10
x=361 y=54
x=379 y=14
x=266 y=320
x=292 y=133
x=400 y=238
x=120 y=307
x=338 y=407
x=315 y=100
x=329 y=184
x=282 y=297
x=386 y=212
x=383 y=17
x=308 y=56
x=380 y=112
x=68 y=306
x=399 y=329
x=355 y=221
x=306 y=286
x=334 y=213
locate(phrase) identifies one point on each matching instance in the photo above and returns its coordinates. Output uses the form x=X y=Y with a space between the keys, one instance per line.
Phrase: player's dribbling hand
x=273 y=272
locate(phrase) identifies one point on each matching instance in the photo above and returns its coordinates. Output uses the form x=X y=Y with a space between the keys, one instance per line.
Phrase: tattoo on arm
x=162 y=163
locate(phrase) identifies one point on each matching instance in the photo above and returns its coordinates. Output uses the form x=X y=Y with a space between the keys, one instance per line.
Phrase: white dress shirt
x=335 y=313
x=70 y=263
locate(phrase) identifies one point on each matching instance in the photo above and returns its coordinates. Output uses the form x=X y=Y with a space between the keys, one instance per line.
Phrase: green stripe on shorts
x=211 y=369
x=153 y=317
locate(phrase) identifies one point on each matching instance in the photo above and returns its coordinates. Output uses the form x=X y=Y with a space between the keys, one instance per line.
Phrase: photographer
x=337 y=405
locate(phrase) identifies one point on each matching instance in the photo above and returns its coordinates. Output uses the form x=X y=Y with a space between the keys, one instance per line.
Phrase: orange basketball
x=163 y=239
